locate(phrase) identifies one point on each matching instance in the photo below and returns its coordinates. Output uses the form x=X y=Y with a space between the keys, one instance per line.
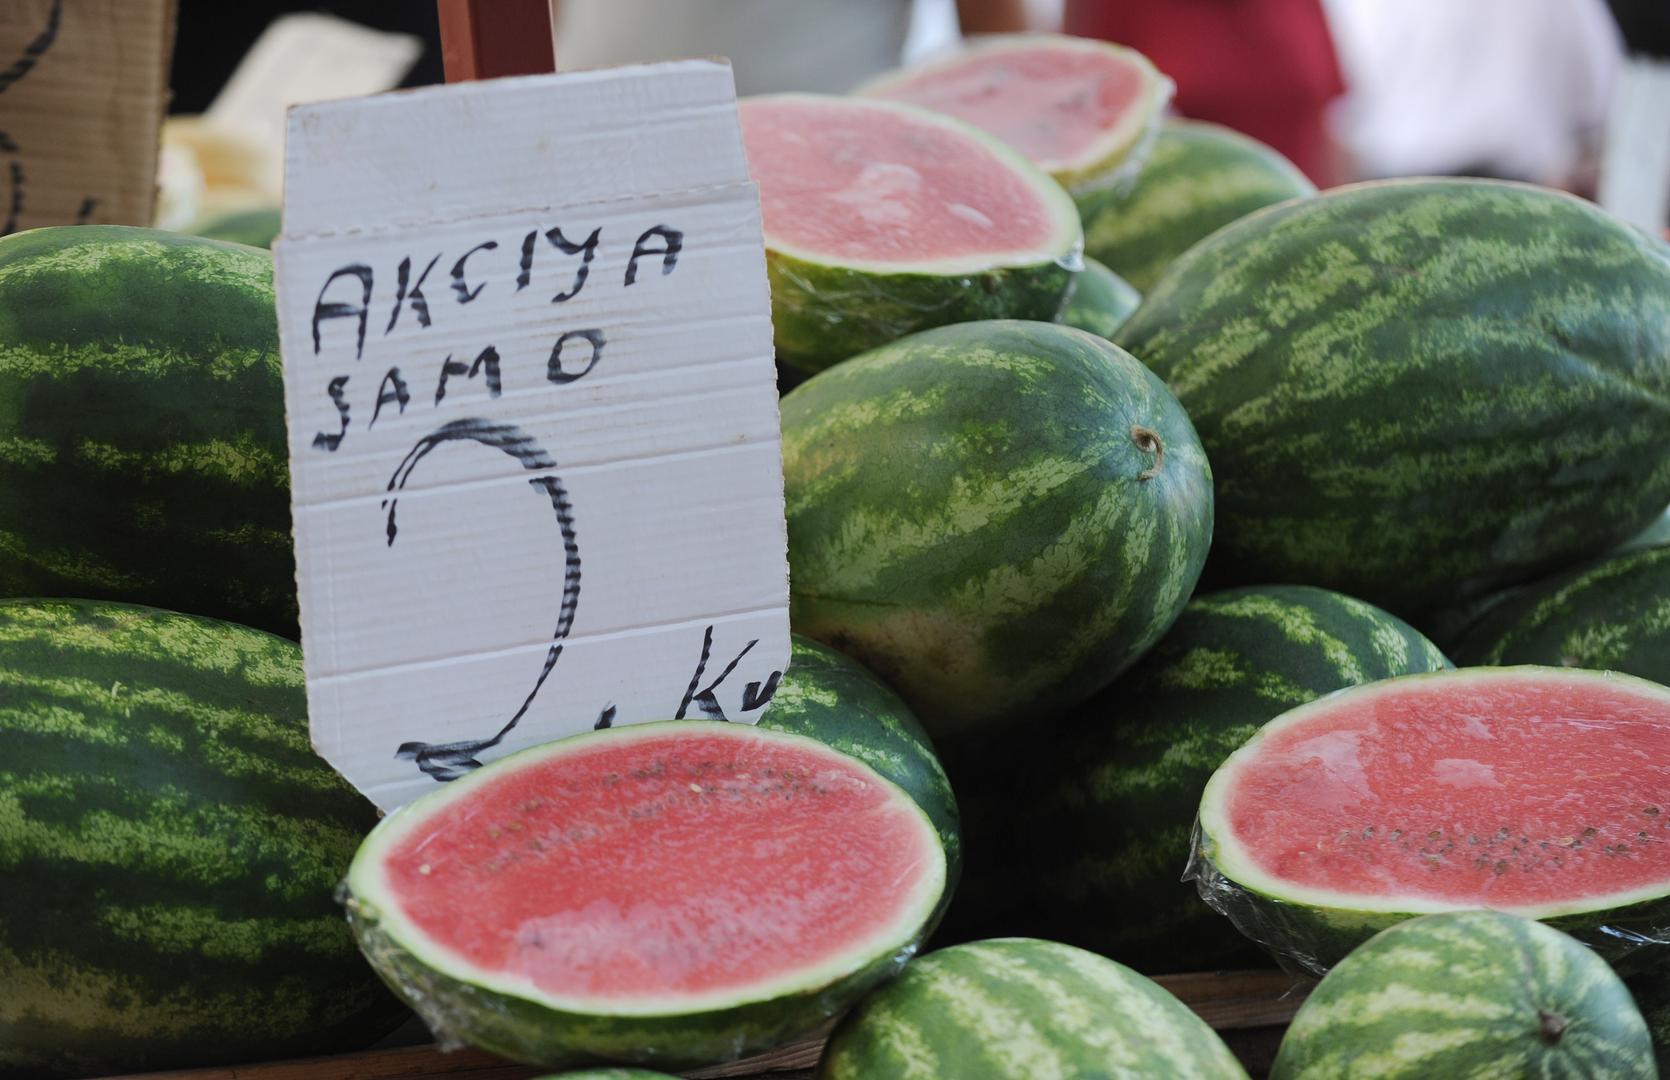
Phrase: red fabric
x=1263 y=67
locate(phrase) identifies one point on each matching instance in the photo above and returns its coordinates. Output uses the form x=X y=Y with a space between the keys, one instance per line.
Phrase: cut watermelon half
x=883 y=219
x=674 y=894
x=1540 y=792
x=1084 y=111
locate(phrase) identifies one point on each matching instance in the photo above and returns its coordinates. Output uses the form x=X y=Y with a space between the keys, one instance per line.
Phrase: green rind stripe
x=1101 y=301
x=1417 y=391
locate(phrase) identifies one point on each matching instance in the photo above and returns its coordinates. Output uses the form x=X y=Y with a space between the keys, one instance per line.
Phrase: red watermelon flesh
x=878 y=185
x=1074 y=107
x=658 y=868
x=1530 y=790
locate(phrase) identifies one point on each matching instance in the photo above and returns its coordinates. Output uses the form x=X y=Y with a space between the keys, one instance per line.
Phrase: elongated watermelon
x=1416 y=392
x=1103 y=820
x=1198 y=178
x=997 y=518
x=671 y=894
x=1019 y=1008
x=882 y=219
x=1612 y=615
x=833 y=699
x=1541 y=792
x=169 y=847
x=1469 y=993
x=1101 y=301
x=142 y=444
x=1084 y=111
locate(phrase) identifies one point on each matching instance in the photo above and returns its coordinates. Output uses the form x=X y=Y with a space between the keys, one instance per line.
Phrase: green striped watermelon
x=1104 y=819
x=1101 y=301
x=1652 y=997
x=142 y=441
x=1537 y=791
x=1468 y=994
x=882 y=219
x=1418 y=391
x=1198 y=178
x=257 y=227
x=1612 y=615
x=170 y=846
x=669 y=894
x=1027 y=1010
x=996 y=517
x=833 y=699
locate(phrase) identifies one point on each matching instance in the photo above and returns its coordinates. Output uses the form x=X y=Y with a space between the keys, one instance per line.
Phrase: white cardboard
x=1635 y=165
x=664 y=458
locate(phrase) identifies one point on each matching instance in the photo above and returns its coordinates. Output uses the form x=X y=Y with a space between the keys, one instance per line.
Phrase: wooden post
x=484 y=39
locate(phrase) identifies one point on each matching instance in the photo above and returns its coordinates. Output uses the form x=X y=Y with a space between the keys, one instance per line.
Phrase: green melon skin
x=1652 y=997
x=1198 y=178
x=833 y=699
x=170 y=846
x=142 y=444
x=256 y=228
x=1613 y=615
x=1470 y=993
x=1416 y=392
x=1105 y=817
x=1022 y=1009
x=1101 y=301
x=610 y=1074
x=997 y=518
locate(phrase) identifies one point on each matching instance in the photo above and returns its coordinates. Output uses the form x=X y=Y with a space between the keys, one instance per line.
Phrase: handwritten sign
x=82 y=90
x=534 y=441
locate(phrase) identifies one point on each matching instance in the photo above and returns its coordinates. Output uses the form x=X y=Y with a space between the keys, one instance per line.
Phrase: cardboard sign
x=83 y=87
x=1635 y=165
x=534 y=445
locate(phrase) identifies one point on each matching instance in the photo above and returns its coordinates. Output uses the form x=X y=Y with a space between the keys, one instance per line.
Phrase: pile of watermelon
x=1142 y=503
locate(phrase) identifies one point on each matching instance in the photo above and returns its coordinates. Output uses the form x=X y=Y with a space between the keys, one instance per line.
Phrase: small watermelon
x=169 y=847
x=1084 y=111
x=833 y=699
x=882 y=219
x=142 y=444
x=1541 y=792
x=1101 y=301
x=1613 y=615
x=1020 y=1009
x=997 y=518
x=1419 y=391
x=668 y=894
x=1198 y=178
x=1468 y=994
x=1103 y=821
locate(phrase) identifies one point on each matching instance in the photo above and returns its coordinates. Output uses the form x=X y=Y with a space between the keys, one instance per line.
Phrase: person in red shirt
x=1266 y=68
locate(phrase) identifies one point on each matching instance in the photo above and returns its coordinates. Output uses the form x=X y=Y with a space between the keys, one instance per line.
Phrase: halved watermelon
x=672 y=893
x=1084 y=111
x=883 y=219
x=1540 y=792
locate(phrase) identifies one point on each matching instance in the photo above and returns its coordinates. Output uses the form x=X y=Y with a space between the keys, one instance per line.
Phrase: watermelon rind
x=1112 y=160
x=1101 y=301
x=1018 y=1007
x=1312 y=929
x=1652 y=996
x=824 y=310
x=834 y=699
x=1468 y=994
x=1198 y=178
x=516 y=1020
x=1399 y=383
x=256 y=227
x=996 y=518
x=170 y=846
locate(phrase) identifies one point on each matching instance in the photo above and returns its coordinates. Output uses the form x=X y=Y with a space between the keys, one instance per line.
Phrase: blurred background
x=1348 y=89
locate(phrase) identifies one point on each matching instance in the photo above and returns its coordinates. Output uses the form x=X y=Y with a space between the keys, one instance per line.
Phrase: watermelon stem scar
x=1553 y=1025
x=448 y=761
x=1148 y=441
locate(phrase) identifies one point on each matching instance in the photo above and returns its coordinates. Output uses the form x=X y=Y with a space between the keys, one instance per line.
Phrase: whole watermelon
x=1104 y=818
x=833 y=699
x=1019 y=1009
x=1470 y=993
x=1419 y=391
x=994 y=516
x=170 y=847
x=142 y=442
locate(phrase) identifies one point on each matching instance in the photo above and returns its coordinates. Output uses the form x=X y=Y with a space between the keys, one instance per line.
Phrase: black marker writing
x=331 y=442
x=392 y=389
x=672 y=242
x=335 y=310
x=465 y=293
x=486 y=360
x=418 y=302
x=553 y=367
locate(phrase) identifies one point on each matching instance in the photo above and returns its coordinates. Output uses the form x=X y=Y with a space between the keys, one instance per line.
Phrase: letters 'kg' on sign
x=534 y=441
